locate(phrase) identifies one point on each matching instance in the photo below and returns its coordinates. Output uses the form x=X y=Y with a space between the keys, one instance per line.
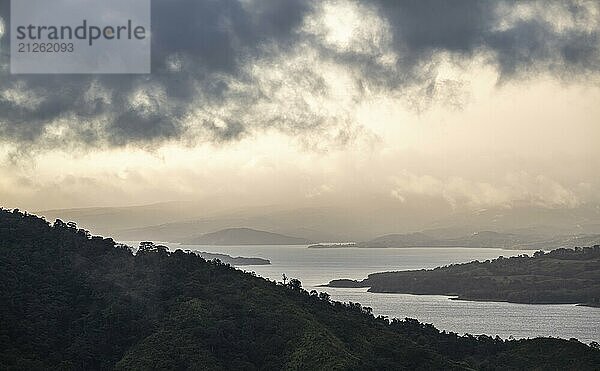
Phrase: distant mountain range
x=562 y=241
x=477 y=239
x=245 y=236
x=382 y=224
x=482 y=239
x=181 y=222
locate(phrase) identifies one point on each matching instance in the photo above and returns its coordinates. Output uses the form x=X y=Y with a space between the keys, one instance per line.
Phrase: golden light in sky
x=342 y=113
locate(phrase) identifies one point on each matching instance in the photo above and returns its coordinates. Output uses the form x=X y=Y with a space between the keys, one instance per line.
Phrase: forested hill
x=245 y=236
x=71 y=301
x=567 y=276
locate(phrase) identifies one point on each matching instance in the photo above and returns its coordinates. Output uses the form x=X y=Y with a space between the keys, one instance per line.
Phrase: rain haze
x=419 y=110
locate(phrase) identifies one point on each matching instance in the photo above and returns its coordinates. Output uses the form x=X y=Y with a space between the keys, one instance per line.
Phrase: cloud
x=526 y=36
x=225 y=69
x=459 y=192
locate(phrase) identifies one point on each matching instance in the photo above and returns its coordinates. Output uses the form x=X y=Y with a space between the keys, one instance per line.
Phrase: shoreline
x=457 y=297
x=426 y=247
x=519 y=280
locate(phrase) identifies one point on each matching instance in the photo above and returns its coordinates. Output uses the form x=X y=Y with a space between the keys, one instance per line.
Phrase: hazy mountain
x=245 y=236
x=562 y=241
x=477 y=239
x=327 y=223
x=483 y=239
x=181 y=219
x=178 y=221
x=308 y=223
x=401 y=240
x=490 y=239
x=525 y=220
x=106 y=220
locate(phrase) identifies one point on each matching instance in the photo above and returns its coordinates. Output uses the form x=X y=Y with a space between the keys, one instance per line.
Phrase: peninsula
x=562 y=276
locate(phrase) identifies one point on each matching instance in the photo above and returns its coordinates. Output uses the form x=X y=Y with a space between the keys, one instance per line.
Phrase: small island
x=231 y=260
x=332 y=245
x=562 y=276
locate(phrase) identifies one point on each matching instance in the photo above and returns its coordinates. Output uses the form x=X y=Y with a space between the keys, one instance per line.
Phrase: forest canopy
x=75 y=301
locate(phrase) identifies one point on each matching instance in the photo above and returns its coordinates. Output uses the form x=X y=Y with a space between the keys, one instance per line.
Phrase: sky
x=465 y=105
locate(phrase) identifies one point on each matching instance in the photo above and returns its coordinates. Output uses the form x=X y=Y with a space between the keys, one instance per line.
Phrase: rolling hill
x=71 y=301
x=245 y=236
x=483 y=239
x=477 y=239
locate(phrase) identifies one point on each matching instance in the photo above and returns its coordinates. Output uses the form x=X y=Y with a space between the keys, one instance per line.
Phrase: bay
x=314 y=267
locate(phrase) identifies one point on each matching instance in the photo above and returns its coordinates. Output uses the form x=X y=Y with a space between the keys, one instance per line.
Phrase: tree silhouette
x=295 y=284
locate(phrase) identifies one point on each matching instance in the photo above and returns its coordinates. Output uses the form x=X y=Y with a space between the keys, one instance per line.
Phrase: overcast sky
x=469 y=104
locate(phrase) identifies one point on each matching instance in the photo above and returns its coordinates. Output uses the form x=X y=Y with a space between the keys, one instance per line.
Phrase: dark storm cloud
x=217 y=33
x=421 y=28
x=200 y=47
x=206 y=38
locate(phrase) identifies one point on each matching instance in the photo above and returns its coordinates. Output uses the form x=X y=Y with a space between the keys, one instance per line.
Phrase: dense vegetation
x=228 y=259
x=559 y=276
x=72 y=301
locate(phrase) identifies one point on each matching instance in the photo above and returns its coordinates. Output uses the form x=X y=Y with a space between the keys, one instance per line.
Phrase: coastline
x=454 y=296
